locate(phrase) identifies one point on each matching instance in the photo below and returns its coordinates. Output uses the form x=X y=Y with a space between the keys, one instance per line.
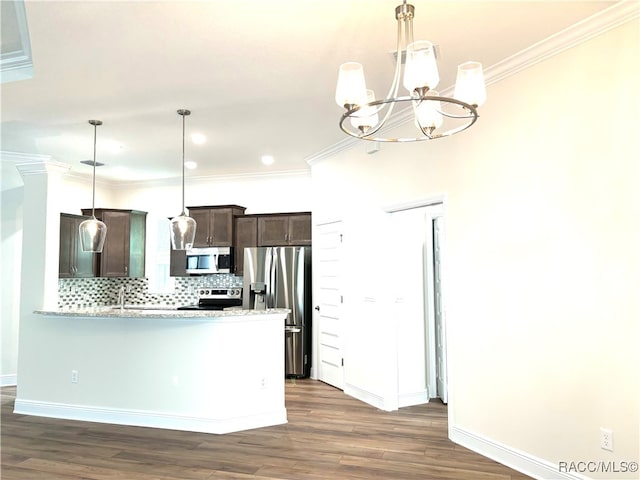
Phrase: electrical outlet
x=606 y=439
x=74 y=376
x=263 y=382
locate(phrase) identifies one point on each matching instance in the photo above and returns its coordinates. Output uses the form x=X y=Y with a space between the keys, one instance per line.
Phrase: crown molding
x=196 y=180
x=597 y=24
x=41 y=168
x=34 y=164
x=19 y=157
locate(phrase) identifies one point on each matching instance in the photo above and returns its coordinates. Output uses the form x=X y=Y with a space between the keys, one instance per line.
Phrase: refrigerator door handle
x=290 y=329
x=273 y=255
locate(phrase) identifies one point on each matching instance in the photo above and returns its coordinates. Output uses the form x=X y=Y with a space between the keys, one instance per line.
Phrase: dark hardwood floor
x=329 y=436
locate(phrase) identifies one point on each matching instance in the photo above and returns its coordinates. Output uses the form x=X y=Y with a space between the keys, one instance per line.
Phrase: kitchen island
x=203 y=371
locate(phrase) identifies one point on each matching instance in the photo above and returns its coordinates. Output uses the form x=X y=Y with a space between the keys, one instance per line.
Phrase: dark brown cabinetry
x=284 y=229
x=226 y=225
x=214 y=225
x=123 y=254
x=246 y=235
x=73 y=261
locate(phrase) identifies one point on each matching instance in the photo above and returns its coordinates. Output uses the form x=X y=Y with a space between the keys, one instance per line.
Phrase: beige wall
x=542 y=261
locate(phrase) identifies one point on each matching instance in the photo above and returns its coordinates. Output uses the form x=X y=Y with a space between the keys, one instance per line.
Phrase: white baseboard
x=512 y=458
x=8 y=380
x=414 y=398
x=139 y=418
x=365 y=396
x=387 y=404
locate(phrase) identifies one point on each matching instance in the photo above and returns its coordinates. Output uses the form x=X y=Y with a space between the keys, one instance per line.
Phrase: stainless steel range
x=216 y=299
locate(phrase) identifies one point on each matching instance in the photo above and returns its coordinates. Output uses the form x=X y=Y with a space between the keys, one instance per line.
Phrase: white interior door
x=327 y=251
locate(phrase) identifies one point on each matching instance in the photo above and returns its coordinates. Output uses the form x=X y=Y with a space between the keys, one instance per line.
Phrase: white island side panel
x=215 y=374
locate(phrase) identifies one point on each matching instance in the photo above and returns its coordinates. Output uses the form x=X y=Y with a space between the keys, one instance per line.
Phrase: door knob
x=318 y=307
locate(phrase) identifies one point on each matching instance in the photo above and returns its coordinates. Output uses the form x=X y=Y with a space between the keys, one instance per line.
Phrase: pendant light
x=183 y=228
x=93 y=232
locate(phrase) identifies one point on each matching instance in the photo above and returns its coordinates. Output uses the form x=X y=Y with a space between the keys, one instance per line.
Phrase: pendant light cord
x=183 y=130
x=93 y=198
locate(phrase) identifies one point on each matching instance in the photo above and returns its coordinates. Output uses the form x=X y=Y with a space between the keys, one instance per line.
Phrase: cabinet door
x=73 y=261
x=137 y=240
x=273 y=231
x=178 y=263
x=221 y=231
x=299 y=229
x=246 y=233
x=114 y=260
x=68 y=234
x=86 y=262
x=202 y=218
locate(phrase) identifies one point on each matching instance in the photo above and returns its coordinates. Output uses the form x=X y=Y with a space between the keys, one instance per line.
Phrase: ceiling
x=258 y=76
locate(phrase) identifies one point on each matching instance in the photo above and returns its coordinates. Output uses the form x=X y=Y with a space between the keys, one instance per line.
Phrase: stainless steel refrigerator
x=280 y=277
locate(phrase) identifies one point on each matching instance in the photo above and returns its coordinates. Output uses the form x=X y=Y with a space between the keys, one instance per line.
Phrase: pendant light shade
x=183 y=228
x=93 y=232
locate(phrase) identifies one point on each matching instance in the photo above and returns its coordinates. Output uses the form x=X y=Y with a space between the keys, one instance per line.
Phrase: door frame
x=434 y=207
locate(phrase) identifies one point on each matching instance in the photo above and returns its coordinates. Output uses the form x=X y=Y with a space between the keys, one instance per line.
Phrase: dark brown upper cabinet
x=284 y=229
x=214 y=225
x=73 y=261
x=246 y=235
x=123 y=254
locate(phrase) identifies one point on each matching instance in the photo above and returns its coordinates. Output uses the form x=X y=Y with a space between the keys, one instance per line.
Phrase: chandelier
x=435 y=116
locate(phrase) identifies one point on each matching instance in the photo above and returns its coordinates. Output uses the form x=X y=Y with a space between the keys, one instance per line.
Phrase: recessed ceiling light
x=198 y=138
x=190 y=165
x=267 y=159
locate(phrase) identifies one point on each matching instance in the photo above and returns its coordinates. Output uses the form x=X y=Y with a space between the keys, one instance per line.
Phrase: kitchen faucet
x=121 y=297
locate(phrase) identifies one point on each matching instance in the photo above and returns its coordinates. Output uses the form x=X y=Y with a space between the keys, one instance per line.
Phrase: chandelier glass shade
x=183 y=227
x=93 y=232
x=435 y=116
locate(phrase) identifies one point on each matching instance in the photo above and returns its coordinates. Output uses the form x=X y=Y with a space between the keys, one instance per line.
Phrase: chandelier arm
x=393 y=90
x=471 y=119
x=395 y=85
x=408 y=29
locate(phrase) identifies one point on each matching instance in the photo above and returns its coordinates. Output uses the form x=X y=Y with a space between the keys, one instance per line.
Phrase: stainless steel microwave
x=202 y=261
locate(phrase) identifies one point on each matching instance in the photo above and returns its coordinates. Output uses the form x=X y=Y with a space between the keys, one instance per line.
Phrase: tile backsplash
x=100 y=291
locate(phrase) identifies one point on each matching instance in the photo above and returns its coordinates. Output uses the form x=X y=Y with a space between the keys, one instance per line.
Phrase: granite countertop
x=156 y=311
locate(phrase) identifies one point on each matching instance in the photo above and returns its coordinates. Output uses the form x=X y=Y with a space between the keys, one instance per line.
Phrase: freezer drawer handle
x=292 y=329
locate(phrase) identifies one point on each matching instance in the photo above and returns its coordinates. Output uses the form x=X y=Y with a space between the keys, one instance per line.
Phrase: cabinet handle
x=126 y=269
